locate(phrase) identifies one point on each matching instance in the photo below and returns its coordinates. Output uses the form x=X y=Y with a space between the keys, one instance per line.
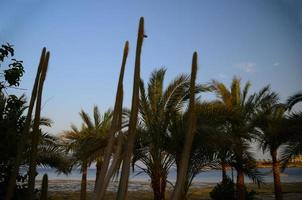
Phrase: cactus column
x=35 y=133
x=123 y=184
x=25 y=133
x=44 y=187
x=183 y=171
x=115 y=126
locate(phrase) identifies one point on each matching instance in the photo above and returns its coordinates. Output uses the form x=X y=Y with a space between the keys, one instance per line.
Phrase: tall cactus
x=183 y=171
x=123 y=184
x=44 y=188
x=25 y=133
x=35 y=133
x=115 y=125
x=116 y=160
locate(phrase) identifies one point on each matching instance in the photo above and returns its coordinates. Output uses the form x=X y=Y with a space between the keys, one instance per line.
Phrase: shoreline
x=291 y=165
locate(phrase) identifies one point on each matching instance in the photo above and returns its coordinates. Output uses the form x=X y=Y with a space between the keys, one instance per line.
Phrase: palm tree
x=73 y=142
x=88 y=142
x=156 y=109
x=293 y=100
x=51 y=154
x=213 y=119
x=240 y=130
x=271 y=136
x=98 y=135
x=294 y=121
x=294 y=145
x=277 y=127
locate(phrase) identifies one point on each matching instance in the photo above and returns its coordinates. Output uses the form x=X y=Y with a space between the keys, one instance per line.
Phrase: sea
x=139 y=181
x=210 y=176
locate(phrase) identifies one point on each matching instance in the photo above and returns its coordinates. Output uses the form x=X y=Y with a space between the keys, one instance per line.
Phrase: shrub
x=226 y=190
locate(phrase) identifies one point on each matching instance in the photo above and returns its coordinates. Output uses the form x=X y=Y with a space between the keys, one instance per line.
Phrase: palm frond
x=86 y=119
x=236 y=91
x=96 y=116
x=222 y=92
x=294 y=99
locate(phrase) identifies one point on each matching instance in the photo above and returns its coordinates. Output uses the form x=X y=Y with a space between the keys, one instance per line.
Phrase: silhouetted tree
x=157 y=106
x=240 y=131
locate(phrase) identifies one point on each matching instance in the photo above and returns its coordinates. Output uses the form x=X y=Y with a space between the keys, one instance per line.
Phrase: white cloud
x=276 y=64
x=223 y=76
x=248 y=67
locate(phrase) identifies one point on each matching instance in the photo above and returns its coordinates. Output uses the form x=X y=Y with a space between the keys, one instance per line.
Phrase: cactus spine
x=44 y=187
x=115 y=126
x=123 y=184
x=181 y=176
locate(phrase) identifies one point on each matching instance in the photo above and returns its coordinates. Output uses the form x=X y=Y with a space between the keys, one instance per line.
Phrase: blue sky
x=258 y=40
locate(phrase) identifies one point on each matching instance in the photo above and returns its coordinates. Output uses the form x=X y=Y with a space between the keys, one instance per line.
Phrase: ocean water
x=211 y=176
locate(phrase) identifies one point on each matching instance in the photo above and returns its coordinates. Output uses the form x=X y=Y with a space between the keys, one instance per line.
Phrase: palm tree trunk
x=21 y=146
x=184 y=162
x=98 y=170
x=240 y=185
x=158 y=185
x=123 y=184
x=186 y=188
x=163 y=183
x=276 y=173
x=224 y=173
x=84 y=181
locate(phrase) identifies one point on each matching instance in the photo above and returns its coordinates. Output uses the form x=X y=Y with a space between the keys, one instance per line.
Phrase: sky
x=259 y=41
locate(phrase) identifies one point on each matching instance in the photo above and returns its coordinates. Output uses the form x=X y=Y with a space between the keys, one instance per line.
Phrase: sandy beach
x=141 y=190
x=74 y=185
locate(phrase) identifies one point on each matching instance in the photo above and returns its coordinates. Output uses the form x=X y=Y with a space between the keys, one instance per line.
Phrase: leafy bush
x=227 y=191
x=224 y=190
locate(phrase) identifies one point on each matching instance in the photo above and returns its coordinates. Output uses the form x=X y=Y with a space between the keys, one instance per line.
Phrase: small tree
x=40 y=76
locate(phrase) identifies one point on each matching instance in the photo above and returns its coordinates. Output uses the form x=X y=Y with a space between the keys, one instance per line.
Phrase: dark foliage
x=226 y=191
x=14 y=71
x=11 y=126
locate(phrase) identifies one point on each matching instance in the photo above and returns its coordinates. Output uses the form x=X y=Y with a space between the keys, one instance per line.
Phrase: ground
x=292 y=191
